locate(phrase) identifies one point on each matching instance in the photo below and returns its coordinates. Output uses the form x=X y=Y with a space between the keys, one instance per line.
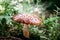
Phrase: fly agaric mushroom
x=27 y=19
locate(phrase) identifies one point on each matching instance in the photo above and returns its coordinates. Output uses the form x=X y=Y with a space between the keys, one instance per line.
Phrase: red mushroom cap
x=27 y=19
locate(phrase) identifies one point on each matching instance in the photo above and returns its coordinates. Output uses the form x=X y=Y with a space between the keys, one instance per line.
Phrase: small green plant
x=51 y=27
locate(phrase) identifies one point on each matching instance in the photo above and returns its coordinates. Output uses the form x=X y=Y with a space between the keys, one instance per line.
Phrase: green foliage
x=51 y=27
x=50 y=21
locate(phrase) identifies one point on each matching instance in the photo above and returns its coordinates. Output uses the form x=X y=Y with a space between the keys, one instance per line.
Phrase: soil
x=10 y=38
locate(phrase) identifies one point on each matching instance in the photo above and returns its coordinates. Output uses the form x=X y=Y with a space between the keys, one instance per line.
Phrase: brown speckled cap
x=27 y=19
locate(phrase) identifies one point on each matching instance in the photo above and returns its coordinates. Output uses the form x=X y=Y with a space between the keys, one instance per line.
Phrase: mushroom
x=27 y=19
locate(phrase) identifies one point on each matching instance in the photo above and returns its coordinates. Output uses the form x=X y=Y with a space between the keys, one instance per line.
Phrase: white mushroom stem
x=25 y=31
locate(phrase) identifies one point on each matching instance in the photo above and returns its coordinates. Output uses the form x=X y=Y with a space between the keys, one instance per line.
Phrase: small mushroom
x=27 y=19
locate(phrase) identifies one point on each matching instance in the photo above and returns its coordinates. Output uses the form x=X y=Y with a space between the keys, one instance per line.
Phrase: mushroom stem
x=25 y=31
